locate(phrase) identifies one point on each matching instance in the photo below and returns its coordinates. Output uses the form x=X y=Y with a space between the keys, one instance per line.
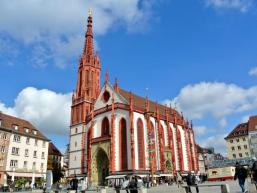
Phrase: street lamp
x=13 y=170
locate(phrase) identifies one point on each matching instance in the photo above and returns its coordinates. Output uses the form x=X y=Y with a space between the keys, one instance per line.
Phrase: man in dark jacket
x=241 y=175
x=191 y=182
x=133 y=185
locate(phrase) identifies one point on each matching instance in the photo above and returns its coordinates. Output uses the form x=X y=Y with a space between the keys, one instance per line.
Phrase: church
x=114 y=131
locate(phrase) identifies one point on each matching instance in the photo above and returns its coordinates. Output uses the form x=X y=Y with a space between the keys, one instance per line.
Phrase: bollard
x=142 y=190
x=225 y=188
x=102 y=190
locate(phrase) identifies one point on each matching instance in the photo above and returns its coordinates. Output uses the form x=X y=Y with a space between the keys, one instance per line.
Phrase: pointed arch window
x=162 y=140
x=123 y=145
x=105 y=127
x=152 y=145
x=140 y=144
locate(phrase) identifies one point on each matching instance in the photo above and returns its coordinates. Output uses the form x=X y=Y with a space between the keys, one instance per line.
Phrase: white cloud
x=200 y=130
x=217 y=141
x=47 y=110
x=58 y=26
x=241 y=5
x=215 y=99
x=253 y=71
x=245 y=118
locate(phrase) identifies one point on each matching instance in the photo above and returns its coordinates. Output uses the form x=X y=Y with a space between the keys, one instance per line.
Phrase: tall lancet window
x=123 y=145
x=140 y=144
x=152 y=145
x=105 y=127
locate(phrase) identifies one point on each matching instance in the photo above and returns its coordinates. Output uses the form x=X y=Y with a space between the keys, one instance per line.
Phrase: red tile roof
x=239 y=131
x=252 y=126
x=139 y=102
x=244 y=128
x=53 y=150
x=9 y=121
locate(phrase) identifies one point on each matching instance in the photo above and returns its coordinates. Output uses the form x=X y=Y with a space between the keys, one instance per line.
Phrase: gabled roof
x=53 y=150
x=139 y=102
x=239 y=131
x=8 y=122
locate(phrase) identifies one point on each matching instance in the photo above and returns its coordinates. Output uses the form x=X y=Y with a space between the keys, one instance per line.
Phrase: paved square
x=233 y=185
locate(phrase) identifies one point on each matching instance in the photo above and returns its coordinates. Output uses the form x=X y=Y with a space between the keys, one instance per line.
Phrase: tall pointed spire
x=88 y=83
x=89 y=43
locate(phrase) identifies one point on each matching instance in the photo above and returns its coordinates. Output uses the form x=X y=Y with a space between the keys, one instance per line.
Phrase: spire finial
x=90 y=13
x=116 y=86
x=106 y=76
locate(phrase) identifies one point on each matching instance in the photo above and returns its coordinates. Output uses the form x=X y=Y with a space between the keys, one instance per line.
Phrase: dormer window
x=15 y=127
x=0 y=123
x=35 y=132
x=26 y=130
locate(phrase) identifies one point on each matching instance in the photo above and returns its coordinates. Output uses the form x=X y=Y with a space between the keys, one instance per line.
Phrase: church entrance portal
x=102 y=162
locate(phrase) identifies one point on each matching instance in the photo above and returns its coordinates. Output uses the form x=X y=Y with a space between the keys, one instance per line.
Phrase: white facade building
x=114 y=131
x=26 y=149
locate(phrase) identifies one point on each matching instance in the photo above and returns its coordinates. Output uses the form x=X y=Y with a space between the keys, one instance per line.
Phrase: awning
x=142 y=175
x=24 y=174
x=115 y=177
x=155 y=176
x=166 y=175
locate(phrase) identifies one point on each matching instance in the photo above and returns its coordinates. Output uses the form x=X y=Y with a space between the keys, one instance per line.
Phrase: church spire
x=89 y=43
x=88 y=83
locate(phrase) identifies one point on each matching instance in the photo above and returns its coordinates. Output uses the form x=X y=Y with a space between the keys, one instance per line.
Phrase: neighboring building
x=114 y=131
x=201 y=161
x=238 y=142
x=66 y=161
x=206 y=158
x=55 y=162
x=252 y=130
x=23 y=149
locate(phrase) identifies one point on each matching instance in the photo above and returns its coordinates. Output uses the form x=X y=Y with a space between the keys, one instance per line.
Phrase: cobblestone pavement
x=233 y=185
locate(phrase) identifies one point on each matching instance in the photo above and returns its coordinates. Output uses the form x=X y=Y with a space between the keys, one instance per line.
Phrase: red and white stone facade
x=136 y=134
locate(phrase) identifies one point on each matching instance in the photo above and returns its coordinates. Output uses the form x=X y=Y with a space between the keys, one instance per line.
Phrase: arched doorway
x=102 y=162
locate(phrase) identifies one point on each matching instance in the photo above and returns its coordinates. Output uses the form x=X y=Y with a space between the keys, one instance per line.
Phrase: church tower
x=88 y=83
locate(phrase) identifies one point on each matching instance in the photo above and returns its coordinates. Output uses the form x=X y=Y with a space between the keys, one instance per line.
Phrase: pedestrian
x=133 y=185
x=179 y=180
x=125 y=184
x=11 y=186
x=254 y=172
x=75 y=183
x=191 y=181
x=241 y=175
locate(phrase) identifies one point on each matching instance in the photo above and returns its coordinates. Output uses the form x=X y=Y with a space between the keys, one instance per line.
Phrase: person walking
x=254 y=172
x=241 y=175
x=75 y=183
x=11 y=186
x=133 y=185
x=179 y=180
x=191 y=181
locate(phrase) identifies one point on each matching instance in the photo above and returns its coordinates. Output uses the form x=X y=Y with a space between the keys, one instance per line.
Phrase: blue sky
x=198 y=54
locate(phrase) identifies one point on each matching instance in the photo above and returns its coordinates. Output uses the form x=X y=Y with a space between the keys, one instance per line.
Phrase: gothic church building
x=114 y=131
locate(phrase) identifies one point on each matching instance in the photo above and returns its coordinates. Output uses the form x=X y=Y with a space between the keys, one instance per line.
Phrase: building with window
x=114 y=131
x=55 y=162
x=21 y=145
x=206 y=158
x=238 y=142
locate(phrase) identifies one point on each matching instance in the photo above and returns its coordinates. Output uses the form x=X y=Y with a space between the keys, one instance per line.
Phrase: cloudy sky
x=199 y=55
